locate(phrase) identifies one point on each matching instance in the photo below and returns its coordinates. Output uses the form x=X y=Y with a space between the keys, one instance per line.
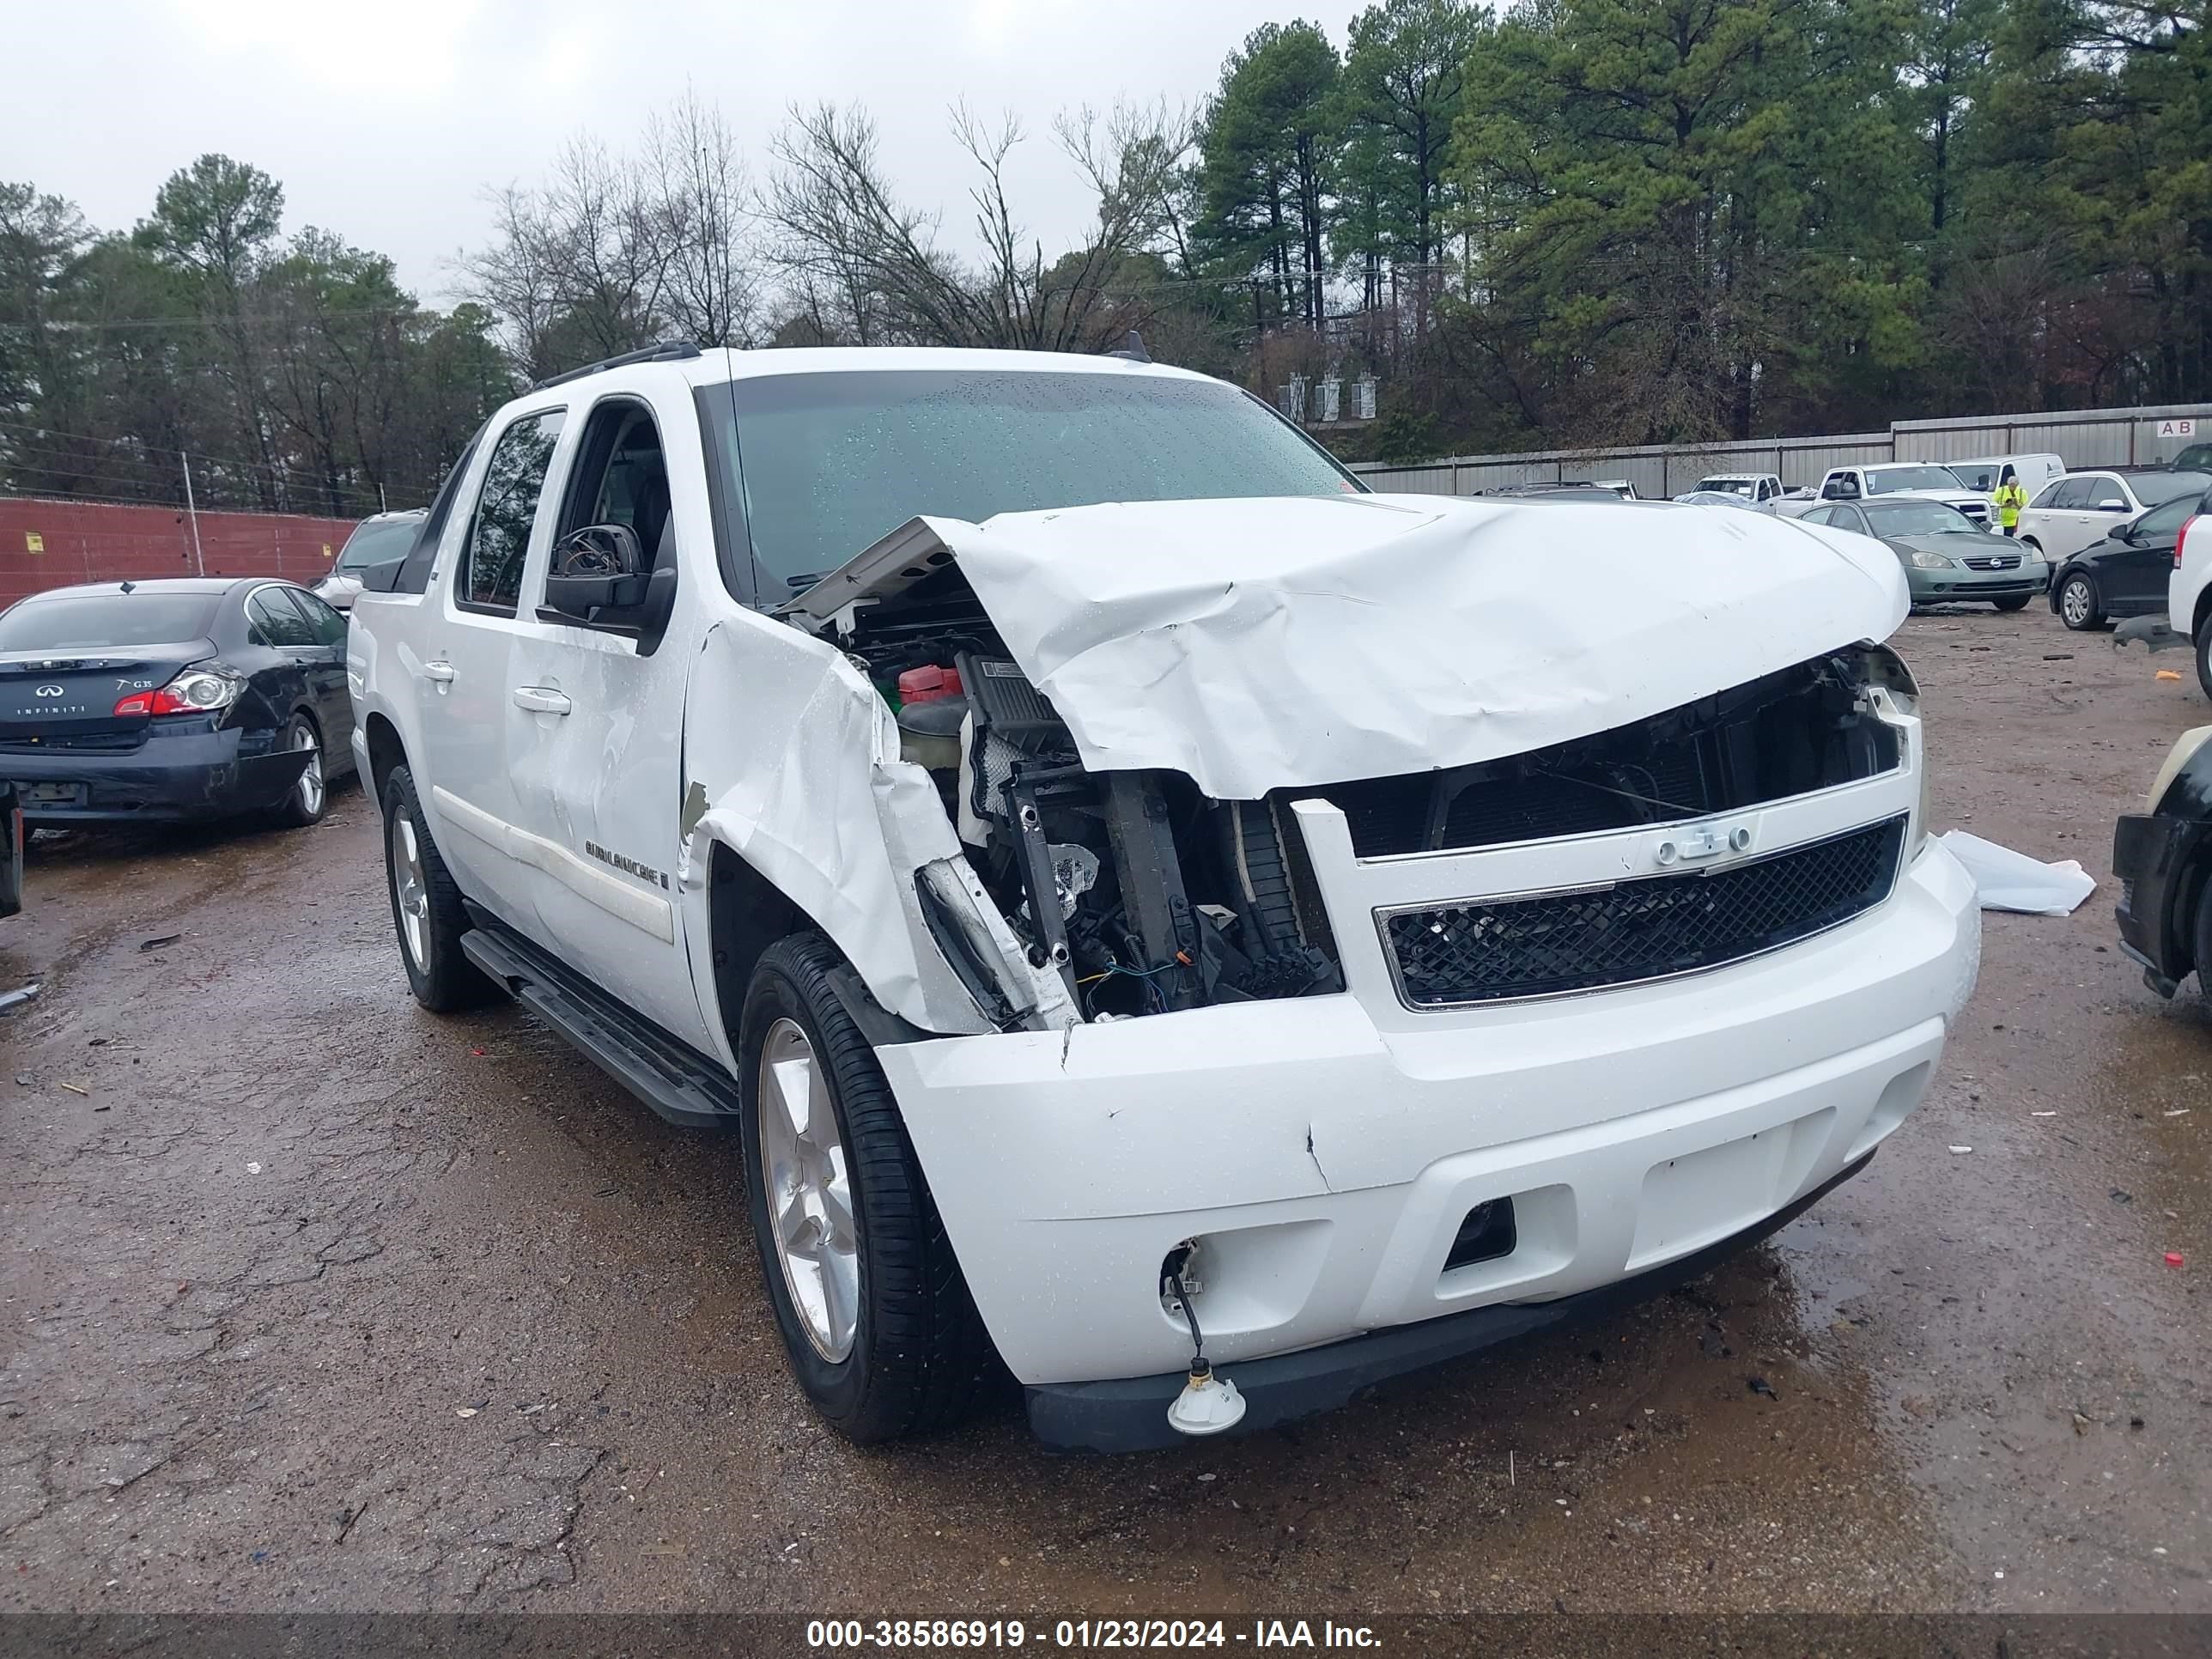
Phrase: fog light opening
x=1487 y=1233
x=1208 y=1404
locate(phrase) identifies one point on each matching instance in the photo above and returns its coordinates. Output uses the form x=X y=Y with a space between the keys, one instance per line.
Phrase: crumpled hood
x=1253 y=644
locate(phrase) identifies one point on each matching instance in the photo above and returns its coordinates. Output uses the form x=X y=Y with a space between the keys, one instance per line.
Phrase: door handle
x=441 y=671
x=540 y=700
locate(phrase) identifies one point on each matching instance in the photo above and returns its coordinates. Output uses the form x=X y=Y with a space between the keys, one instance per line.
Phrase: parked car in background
x=2163 y=857
x=2127 y=573
x=1621 y=487
x=1753 y=488
x=1923 y=480
x=2069 y=514
x=159 y=701
x=1552 y=492
x=375 y=541
x=2197 y=458
x=1719 y=498
x=2031 y=472
x=1947 y=557
x=2189 y=588
x=11 y=849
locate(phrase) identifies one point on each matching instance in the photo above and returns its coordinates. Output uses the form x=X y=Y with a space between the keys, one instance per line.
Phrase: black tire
x=2204 y=656
x=919 y=1359
x=305 y=802
x=443 y=979
x=2086 y=615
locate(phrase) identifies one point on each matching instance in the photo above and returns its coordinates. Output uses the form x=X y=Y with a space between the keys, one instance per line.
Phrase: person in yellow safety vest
x=2009 y=498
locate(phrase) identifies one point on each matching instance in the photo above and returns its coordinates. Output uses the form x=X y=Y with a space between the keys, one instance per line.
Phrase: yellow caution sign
x=34 y=542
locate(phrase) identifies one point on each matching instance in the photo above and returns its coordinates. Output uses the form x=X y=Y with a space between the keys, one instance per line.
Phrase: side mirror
x=599 y=567
x=2111 y=504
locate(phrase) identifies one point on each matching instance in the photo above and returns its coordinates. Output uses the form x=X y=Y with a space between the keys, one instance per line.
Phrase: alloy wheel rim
x=810 y=1196
x=411 y=891
x=311 y=780
x=2076 y=603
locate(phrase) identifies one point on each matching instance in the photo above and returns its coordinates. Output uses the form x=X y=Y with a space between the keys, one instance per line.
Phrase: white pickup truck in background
x=1909 y=480
x=1161 y=921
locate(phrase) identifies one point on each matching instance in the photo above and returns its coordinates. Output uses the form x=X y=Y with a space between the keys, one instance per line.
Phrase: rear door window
x=326 y=625
x=2161 y=522
x=489 y=576
x=2071 y=495
x=276 y=622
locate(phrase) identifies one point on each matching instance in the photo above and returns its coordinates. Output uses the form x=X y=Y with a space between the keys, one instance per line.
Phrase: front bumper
x=1972 y=586
x=2154 y=857
x=1131 y=1413
x=1325 y=1151
x=173 y=776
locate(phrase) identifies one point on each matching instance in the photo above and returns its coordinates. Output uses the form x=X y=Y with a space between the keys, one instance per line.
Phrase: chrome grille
x=1651 y=927
x=1999 y=562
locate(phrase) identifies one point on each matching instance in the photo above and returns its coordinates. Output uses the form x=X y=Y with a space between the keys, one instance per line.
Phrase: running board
x=679 y=1082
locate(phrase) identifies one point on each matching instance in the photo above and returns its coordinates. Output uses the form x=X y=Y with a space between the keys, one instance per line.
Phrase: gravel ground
x=317 y=1302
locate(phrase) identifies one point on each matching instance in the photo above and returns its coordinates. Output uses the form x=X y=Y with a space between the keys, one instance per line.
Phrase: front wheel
x=2017 y=602
x=866 y=1291
x=2204 y=655
x=2077 y=605
x=427 y=912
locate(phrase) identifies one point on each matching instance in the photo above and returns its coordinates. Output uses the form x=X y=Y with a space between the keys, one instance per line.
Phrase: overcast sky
x=385 y=122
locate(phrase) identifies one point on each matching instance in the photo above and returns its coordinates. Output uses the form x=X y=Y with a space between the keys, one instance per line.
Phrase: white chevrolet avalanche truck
x=1162 y=921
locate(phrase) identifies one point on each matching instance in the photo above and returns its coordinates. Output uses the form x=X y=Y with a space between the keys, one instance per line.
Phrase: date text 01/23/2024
x=831 y=1634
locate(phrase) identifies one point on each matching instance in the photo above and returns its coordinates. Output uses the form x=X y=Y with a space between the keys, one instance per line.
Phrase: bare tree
x=614 y=252
x=712 y=294
x=870 y=268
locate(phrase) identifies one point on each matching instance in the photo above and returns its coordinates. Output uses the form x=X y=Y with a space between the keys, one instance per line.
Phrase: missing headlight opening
x=1146 y=896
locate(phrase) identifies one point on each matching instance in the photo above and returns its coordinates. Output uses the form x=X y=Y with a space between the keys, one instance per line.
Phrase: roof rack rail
x=663 y=351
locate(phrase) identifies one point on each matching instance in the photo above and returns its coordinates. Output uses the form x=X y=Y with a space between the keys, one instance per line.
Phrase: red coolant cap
x=930 y=685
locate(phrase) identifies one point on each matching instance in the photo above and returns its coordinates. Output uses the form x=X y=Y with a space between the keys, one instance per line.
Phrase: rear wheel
x=866 y=1291
x=2078 y=607
x=2017 y=602
x=309 y=797
x=426 y=906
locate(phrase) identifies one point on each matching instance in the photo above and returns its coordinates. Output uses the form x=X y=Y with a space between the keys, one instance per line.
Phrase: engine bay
x=1146 y=896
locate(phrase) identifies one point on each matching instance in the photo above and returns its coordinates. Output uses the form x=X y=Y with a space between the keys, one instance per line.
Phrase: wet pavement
x=316 y=1301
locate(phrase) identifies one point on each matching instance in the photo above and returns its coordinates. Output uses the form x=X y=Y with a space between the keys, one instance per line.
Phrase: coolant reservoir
x=929 y=733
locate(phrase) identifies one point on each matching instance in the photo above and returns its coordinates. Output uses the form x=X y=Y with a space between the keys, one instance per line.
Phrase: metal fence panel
x=2082 y=438
x=1808 y=461
x=1963 y=443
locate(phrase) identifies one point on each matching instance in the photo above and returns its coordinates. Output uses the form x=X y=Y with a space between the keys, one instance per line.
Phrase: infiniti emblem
x=50 y=691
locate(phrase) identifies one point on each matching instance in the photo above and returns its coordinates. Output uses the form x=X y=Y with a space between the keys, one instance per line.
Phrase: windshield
x=1980 y=475
x=99 y=621
x=1727 y=486
x=831 y=463
x=1886 y=480
x=378 y=544
x=2152 y=487
x=1919 y=519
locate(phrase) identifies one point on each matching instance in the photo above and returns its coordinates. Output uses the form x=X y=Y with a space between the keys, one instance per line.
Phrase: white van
x=1984 y=476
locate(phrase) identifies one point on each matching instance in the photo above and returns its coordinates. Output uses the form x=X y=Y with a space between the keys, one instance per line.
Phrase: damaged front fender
x=791 y=759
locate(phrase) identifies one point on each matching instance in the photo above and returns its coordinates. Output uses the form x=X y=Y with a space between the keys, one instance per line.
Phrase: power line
x=76 y=325
x=163 y=479
x=176 y=507
x=150 y=450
